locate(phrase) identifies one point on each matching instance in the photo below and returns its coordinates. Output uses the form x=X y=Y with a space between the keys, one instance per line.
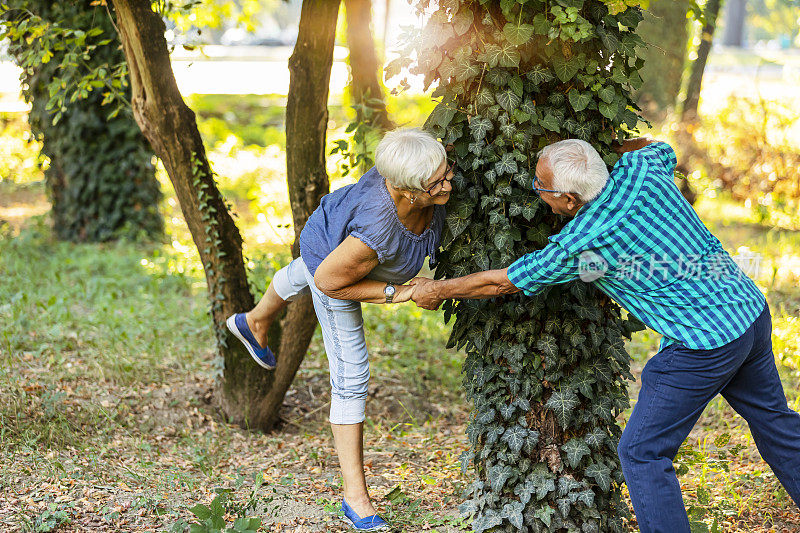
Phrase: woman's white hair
x=576 y=167
x=409 y=157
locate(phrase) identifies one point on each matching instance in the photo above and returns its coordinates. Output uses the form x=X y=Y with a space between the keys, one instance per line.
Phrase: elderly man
x=650 y=252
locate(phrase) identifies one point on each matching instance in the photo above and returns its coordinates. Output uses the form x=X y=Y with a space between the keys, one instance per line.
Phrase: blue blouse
x=366 y=211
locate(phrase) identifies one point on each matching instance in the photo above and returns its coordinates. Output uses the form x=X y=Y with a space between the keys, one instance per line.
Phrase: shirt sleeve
x=551 y=265
x=663 y=154
x=374 y=230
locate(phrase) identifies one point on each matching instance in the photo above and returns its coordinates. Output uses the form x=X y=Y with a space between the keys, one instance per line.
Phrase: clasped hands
x=421 y=291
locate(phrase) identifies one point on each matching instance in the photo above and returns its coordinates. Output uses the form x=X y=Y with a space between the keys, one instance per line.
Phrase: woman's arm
x=629 y=145
x=429 y=294
x=341 y=275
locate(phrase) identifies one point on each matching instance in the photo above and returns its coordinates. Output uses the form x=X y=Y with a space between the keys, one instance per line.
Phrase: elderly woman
x=362 y=244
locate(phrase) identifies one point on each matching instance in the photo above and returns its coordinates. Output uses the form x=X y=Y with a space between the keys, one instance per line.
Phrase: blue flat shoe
x=370 y=523
x=238 y=326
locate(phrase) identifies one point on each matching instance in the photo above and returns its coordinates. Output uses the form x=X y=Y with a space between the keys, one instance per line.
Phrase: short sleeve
x=375 y=232
x=551 y=265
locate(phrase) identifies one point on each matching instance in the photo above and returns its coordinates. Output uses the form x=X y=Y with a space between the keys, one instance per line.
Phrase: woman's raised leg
x=287 y=284
x=261 y=317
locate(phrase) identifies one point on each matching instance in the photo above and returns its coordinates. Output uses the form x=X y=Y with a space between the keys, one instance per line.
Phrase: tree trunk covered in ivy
x=100 y=179
x=666 y=31
x=692 y=99
x=249 y=395
x=365 y=86
x=547 y=374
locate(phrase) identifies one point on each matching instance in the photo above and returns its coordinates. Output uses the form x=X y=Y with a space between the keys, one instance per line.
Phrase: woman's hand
x=403 y=294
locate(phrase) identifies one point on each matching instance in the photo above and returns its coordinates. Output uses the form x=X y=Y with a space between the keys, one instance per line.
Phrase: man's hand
x=424 y=294
x=629 y=145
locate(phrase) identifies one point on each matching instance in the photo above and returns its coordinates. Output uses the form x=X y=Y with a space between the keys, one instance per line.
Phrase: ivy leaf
x=595 y=437
x=562 y=402
x=583 y=382
x=585 y=496
x=508 y=99
x=498 y=77
x=518 y=34
x=515 y=438
x=486 y=417
x=498 y=475
x=468 y=508
x=462 y=21
x=506 y=165
x=579 y=100
x=551 y=123
x=503 y=240
x=566 y=69
x=464 y=69
x=540 y=24
x=608 y=110
x=513 y=512
x=508 y=410
x=545 y=514
x=528 y=106
x=575 y=449
x=607 y=94
x=583 y=131
x=487 y=520
x=610 y=41
x=442 y=114
x=563 y=506
x=601 y=473
x=509 y=56
x=539 y=74
x=485 y=97
x=631 y=17
x=516 y=85
x=548 y=345
x=479 y=127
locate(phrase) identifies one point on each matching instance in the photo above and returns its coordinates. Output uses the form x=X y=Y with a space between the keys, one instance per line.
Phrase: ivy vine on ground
x=547 y=374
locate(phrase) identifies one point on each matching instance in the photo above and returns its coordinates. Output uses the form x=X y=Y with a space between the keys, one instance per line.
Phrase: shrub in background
x=100 y=177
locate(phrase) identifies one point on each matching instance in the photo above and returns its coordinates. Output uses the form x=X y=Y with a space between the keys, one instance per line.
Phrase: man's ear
x=573 y=201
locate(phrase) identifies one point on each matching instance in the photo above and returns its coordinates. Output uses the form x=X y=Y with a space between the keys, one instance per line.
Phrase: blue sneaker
x=370 y=523
x=238 y=326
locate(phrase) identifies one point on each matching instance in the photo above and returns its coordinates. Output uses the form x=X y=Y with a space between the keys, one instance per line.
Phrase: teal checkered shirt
x=641 y=243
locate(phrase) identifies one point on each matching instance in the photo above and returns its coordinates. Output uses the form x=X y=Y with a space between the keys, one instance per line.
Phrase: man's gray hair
x=409 y=157
x=576 y=167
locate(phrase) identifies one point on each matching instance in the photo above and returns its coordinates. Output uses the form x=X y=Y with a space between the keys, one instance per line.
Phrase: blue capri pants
x=343 y=333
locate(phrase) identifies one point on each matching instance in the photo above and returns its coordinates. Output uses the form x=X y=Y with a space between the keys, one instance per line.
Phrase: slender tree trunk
x=689 y=113
x=735 y=13
x=249 y=395
x=306 y=127
x=365 y=87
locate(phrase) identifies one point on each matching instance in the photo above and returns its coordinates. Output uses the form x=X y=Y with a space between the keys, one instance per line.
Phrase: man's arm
x=429 y=294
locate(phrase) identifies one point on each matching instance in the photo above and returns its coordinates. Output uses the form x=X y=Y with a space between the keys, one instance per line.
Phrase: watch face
x=389 y=290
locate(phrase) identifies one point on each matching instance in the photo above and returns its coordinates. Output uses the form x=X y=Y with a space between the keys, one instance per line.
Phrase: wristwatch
x=389 y=291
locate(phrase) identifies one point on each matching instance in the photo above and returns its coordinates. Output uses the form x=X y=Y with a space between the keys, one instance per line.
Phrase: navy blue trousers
x=677 y=384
